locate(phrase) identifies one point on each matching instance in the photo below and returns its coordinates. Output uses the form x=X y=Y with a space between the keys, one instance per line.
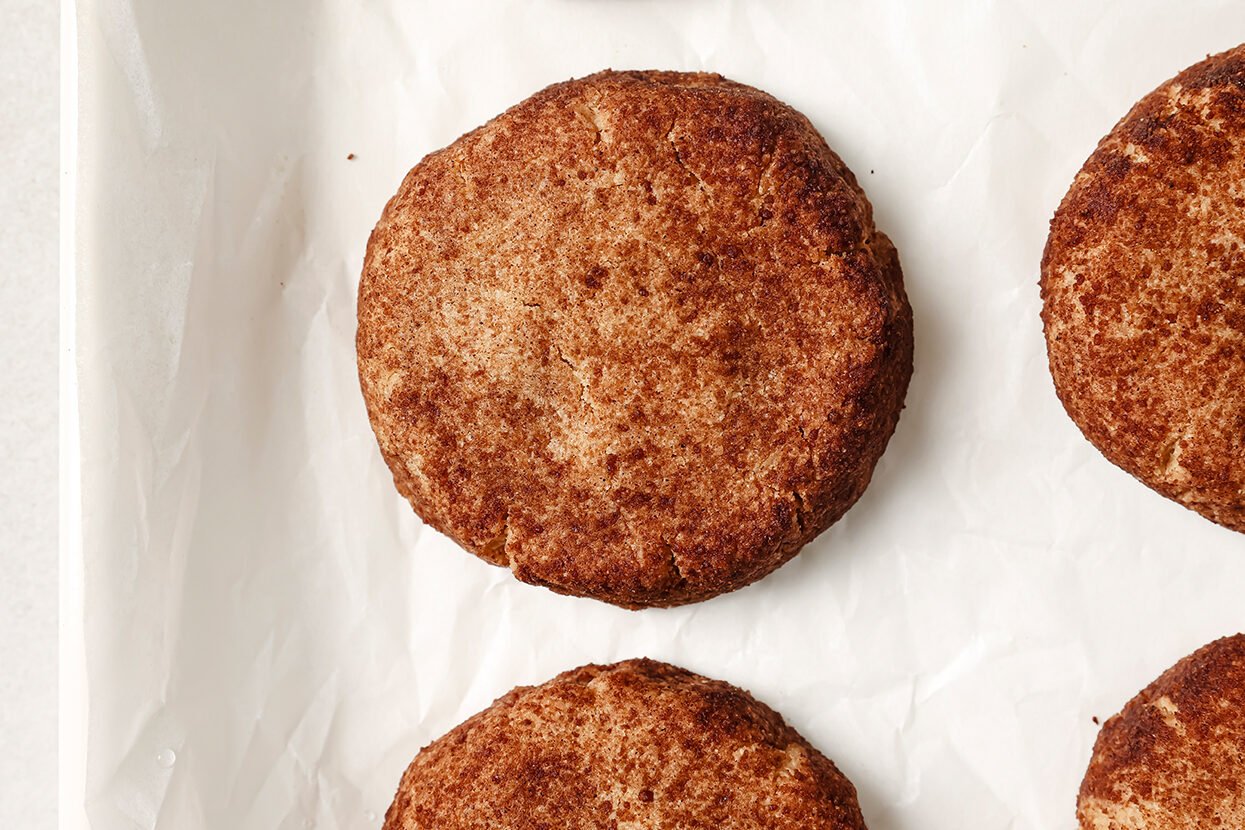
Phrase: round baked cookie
x=1143 y=284
x=1174 y=759
x=638 y=744
x=636 y=338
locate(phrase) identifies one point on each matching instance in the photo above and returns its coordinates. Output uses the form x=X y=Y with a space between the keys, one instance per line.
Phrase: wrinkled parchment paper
x=260 y=633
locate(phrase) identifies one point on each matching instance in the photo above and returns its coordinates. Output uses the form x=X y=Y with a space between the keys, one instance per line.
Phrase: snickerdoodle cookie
x=1174 y=758
x=1143 y=282
x=636 y=338
x=638 y=744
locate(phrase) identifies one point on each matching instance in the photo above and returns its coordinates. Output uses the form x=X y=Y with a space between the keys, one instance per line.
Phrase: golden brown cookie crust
x=637 y=744
x=1174 y=758
x=1143 y=283
x=636 y=338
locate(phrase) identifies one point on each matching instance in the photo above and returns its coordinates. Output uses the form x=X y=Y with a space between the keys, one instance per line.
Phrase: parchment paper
x=259 y=633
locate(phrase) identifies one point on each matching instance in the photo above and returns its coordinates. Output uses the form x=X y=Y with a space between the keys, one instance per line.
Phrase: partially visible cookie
x=638 y=744
x=635 y=339
x=1143 y=283
x=1174 y=758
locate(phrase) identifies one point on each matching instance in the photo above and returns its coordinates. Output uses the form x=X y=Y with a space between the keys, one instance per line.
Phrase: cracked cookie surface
x=1143 y=287
x=636 y=338
x=638 y=744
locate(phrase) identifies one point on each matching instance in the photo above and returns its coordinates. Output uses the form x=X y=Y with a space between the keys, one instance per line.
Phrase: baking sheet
x=260 y=634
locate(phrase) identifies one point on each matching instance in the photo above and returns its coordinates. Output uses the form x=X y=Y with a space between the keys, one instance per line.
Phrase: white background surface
x=28 y=372
x=267 y=633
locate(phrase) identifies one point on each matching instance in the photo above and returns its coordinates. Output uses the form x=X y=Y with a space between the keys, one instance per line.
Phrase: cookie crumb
x=350 y=157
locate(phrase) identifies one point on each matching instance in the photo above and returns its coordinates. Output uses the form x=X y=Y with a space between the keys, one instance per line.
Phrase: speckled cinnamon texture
x=636 y=338
x=1174 y=759
x=639 y=745
x=1143 y=282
